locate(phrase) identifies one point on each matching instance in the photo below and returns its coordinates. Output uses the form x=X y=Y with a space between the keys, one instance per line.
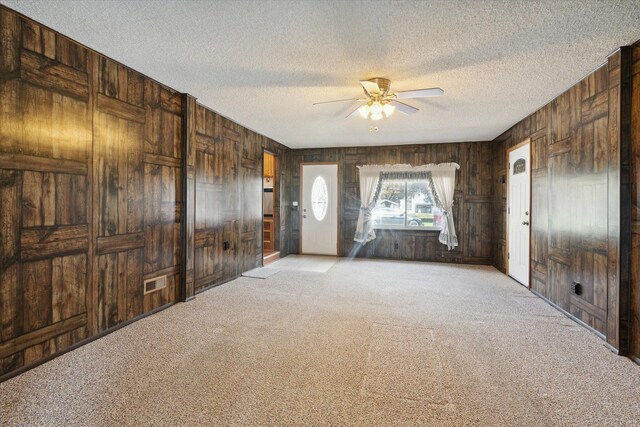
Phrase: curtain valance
x=376 y=169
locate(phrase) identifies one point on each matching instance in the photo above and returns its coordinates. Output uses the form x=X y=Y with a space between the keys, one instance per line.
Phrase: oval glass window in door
x=319 y=198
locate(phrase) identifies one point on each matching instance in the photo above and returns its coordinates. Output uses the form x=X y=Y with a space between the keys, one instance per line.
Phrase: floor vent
x=155 y=284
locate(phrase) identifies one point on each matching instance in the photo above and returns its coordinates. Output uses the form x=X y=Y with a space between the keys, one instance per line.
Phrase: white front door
x=320 y=209
x=519 y=213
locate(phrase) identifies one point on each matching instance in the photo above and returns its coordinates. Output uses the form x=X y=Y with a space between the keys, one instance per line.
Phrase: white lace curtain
x=369 y=179
x=441 y=178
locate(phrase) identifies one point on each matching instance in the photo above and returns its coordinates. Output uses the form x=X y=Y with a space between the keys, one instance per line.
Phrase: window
x=406 y=204
x=520 y=166
x=319 y=198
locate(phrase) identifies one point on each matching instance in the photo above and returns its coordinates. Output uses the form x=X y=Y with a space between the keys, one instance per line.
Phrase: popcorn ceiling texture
x=368 y=343
x=264 y=63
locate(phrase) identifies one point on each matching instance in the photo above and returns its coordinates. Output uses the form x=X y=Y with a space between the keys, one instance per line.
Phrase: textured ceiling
x=264 y=63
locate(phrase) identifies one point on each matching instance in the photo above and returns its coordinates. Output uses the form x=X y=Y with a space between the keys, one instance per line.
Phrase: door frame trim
x=509 y=150
x=338 y=205
x=276 y=180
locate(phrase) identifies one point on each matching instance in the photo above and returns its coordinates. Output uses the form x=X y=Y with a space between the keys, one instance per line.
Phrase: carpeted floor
x=366 y=343
x=312 y=263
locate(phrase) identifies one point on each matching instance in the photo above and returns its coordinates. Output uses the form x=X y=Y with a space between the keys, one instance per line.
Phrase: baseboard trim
x=215 y=285
x=443 y=260
x=572 y=317
x=85 y=341
x=635 y=359
x=612 y=348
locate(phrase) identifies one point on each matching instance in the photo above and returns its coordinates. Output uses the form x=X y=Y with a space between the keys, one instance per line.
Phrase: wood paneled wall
x=92 y=192
x=472 y=207
x=90 y=160
x=137 y=150
x=578 y=161
x=635 y=205
x=228 y=175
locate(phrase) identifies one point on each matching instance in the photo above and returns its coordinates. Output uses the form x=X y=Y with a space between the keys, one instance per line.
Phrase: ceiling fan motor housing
x=383 y=84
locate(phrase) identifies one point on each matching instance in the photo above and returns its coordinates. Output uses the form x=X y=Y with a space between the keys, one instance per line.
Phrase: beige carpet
x=313 y=263
x=369 y=343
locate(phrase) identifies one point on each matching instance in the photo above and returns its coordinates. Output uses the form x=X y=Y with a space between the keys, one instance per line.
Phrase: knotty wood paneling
x=135 y=123
x=44 y=242
x=250 y=181
x=90 y=184
x=107 y=179
x=45 y=143
x=228 y=206
x=189 y=197
x=41 y=164
x=216 y=187
x=634 y=332
x=472 y=207
x=578 y=200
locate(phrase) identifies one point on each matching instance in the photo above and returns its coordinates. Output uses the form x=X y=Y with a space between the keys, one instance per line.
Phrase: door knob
x=304 y=216
x=525 y=223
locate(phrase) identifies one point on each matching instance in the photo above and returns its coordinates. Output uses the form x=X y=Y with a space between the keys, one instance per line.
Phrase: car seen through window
x=406 y=204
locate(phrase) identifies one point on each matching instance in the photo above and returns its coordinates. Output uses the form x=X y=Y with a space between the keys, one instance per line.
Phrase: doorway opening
x=270 y=208
x=519 y=212
x=319 y=215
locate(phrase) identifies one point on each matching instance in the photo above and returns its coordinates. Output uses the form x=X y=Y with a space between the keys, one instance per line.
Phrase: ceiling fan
x=380 y=102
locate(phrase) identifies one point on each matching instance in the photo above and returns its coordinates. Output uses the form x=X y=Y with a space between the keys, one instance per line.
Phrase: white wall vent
x=155 y=284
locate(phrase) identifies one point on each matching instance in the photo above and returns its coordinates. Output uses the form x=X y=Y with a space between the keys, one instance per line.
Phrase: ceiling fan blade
x=370 y=87
x=354 y=112
x=404 y=108
x=420 y=93
x=338 y=100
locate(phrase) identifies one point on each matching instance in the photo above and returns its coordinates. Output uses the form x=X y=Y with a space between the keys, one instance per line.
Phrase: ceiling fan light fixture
x=376 y=108
x=380 y=102
x=376 y=116
x=388 y=109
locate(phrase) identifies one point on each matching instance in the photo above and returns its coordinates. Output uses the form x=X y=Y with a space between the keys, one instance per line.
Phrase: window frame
x=405 y=227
